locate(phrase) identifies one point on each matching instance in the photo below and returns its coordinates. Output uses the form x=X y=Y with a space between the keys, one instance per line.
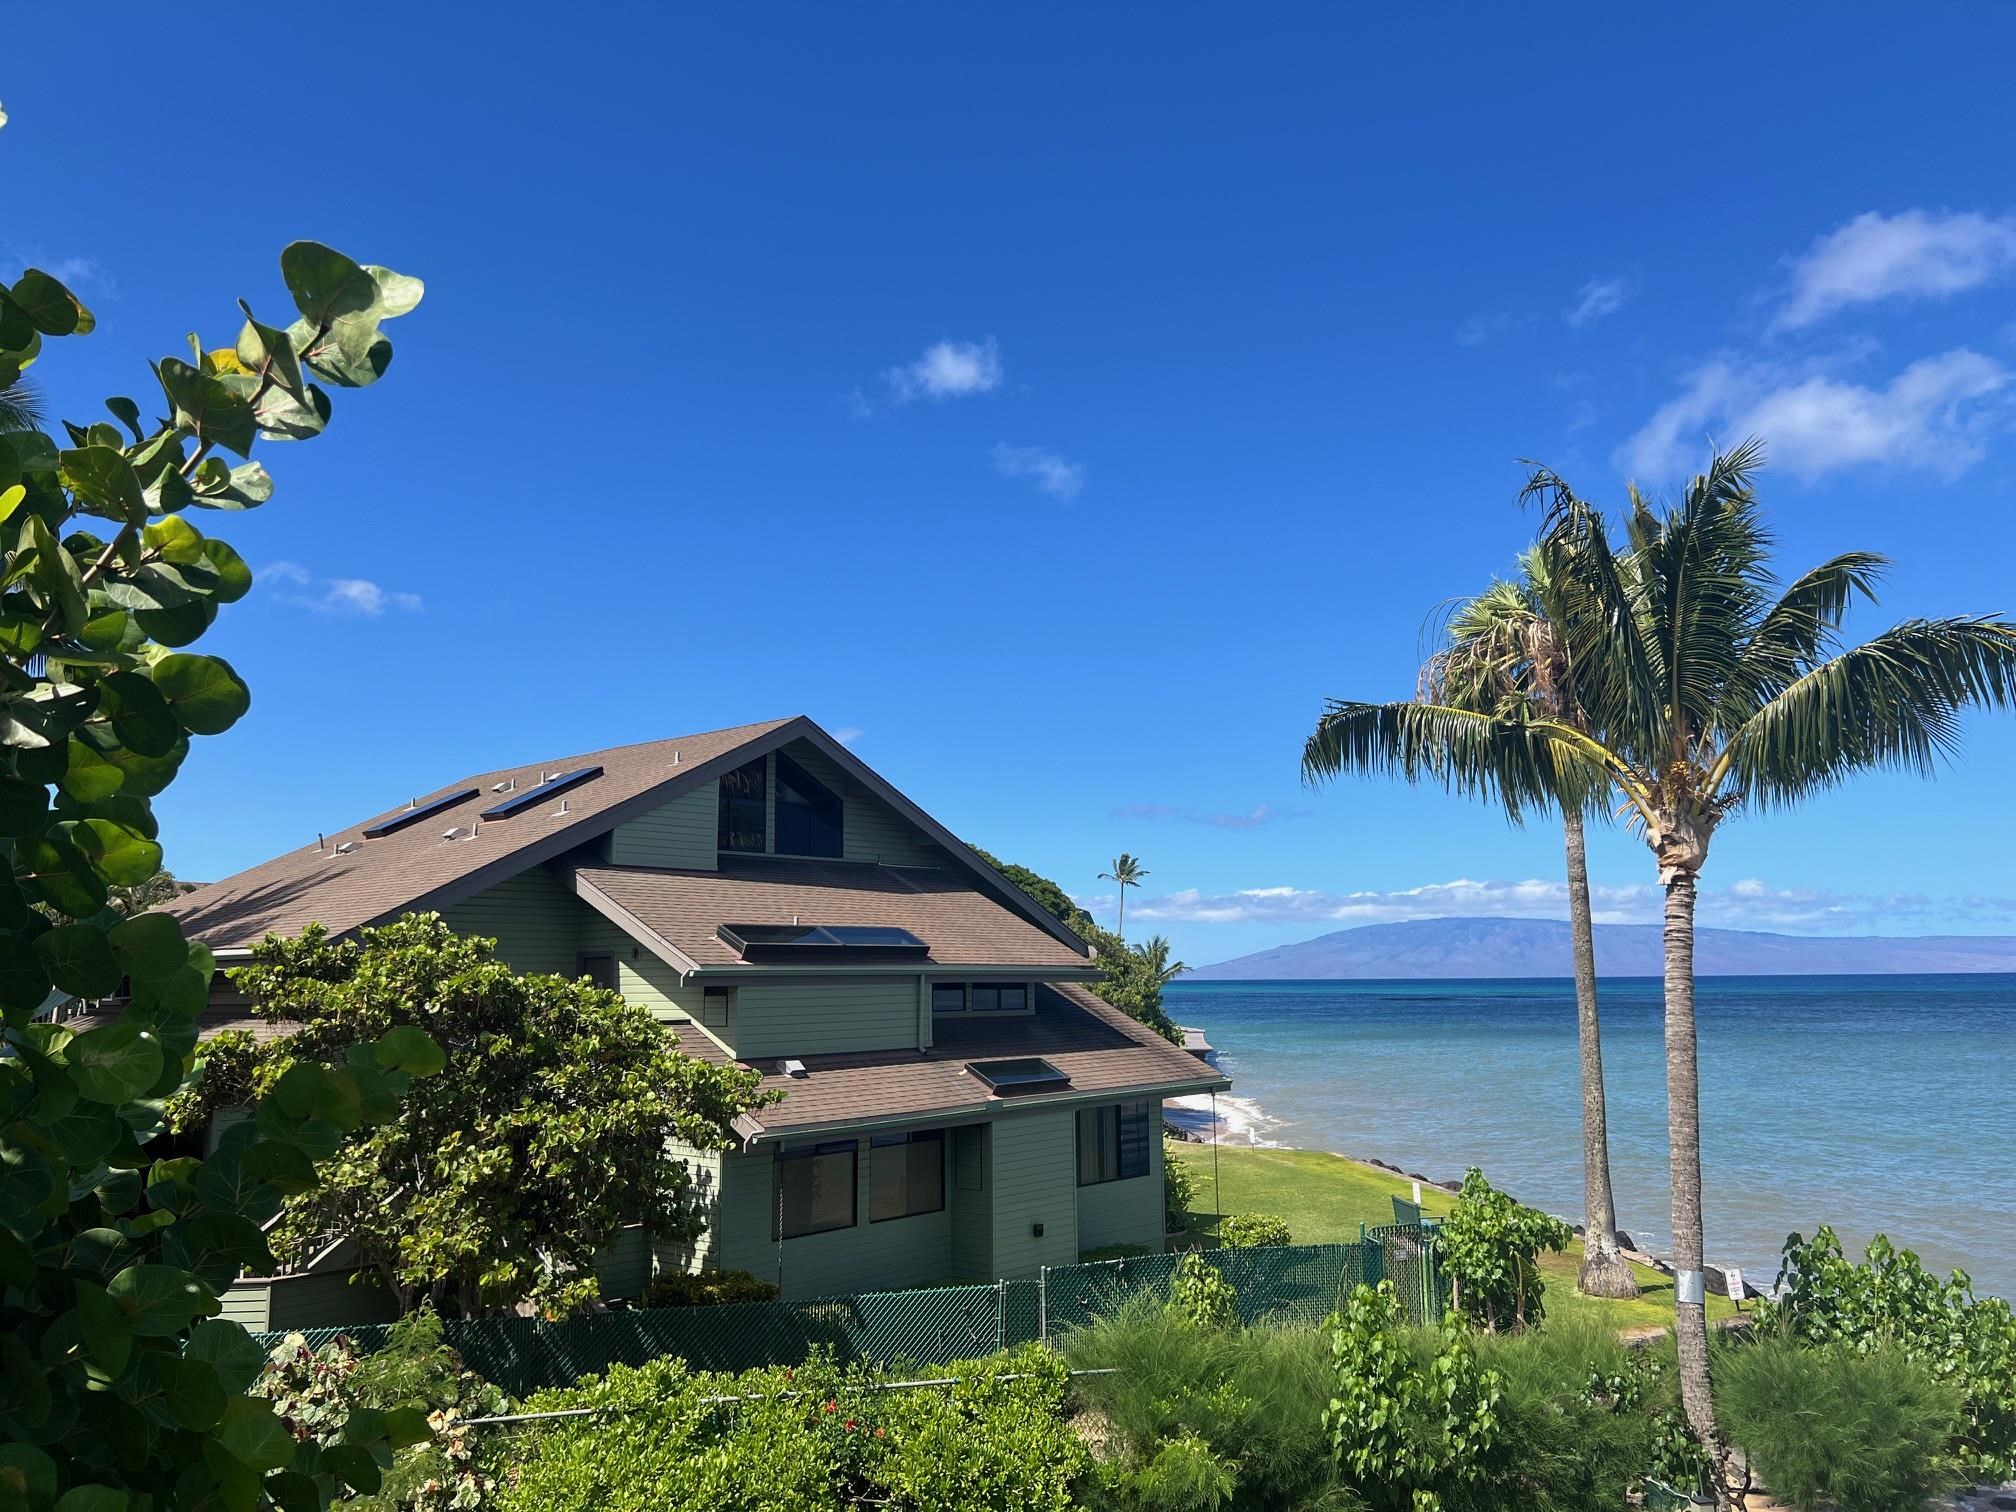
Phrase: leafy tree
x=120 y=1387
x=1709 y=687
x=1506 y=652
x=1490 y=1248
x=163 y=887
x=1048 y=895
x=500 y=1180
x=1127 y=872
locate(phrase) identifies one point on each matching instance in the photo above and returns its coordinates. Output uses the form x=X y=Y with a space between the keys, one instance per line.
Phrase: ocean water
x=1874 y=1103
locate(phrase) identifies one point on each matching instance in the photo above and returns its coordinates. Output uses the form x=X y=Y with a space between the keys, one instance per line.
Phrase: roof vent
x=344 y=847
x=460 y=832
x=508 y=785
x=794 y=1068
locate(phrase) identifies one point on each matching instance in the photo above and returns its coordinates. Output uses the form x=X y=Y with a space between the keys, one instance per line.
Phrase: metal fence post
x=1043 y=1303
x=1000 y=1315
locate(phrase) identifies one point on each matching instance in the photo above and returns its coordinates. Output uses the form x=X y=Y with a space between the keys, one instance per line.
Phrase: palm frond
x=1520 y=764
x=20 y=406
x=1799 y=630
x=1894 y=701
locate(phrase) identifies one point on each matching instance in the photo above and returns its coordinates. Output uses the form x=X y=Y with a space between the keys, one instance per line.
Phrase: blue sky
x=1058 y=402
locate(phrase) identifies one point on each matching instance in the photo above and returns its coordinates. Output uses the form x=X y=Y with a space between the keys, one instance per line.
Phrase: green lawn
x=1325 y=1198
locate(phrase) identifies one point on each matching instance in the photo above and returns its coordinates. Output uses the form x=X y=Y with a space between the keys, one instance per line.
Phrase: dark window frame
x=584 y=966
x=834 y=1148
x=732 y=814
x=906 y=1141
x=996 y=989
x=1132 y=1127
x=803 y=800
x=958 y=987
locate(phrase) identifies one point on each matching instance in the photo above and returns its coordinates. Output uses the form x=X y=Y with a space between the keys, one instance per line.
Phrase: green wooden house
x=957 y=1106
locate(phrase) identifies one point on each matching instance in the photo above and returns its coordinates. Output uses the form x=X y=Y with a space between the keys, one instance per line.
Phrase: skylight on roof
x=819 y=941
x=551 y=788
x=413 y=813
x=1027 y=1073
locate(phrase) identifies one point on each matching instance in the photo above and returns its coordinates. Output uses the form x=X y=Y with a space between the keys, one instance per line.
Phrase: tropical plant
x=1156 y=966
x=120 y=1386
x=163 y=887
x=20 y=405
x=1179 y=1188
x=322 y=1396
x=1127 y=872
x=502 y=1179
x=1200 y=1293
x=1834 y=1427
x=1709 y=686
x=1490 y=1250
x=1891 y=1301
x=709 y=1288
x=1051 y=898
x=1507 y=652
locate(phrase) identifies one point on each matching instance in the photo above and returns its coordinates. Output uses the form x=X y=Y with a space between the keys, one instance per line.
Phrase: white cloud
x=1933 y=416
x=351 y=596
x=1595 y=299
x=80 y=275
x=847 y=735
x=947 y=370
x=1053 y=474
x=1749 y=903
x=1259 y=814
x=1917 y=253
x=1479 y=329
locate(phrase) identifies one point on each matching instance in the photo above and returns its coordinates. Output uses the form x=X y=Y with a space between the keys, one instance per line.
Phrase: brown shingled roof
x=384 y=877
x=961 y=925
x=1097 y=1046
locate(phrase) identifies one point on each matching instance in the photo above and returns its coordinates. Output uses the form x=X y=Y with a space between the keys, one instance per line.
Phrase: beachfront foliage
x=1179 y=1187
x=1201 y=1295
x=1836 y=1426
x=323 y=1395
x=1253 y=1231
x=500 y=1180
x=1707 y=686
x=716 y=1288
x=1890 y=1301
x=1490 y=1251
x=120 y=1386
x=817 y=1436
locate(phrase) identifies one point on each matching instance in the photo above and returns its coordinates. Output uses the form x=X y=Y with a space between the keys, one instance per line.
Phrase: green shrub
x=1194 y=1418
x=1253 y=1231
x=708 y=1289
x=1965 y=1341
x=316 y=1392
x=1179 y=1189
x=813 y=1437
x=1831 y=1426
x=1490 y=1249
x=1200 y=1293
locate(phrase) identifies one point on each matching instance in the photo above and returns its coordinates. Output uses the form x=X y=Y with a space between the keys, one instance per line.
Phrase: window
x=815 y=1189
x=599 y=969
x=906 y=1174
x=948 y=997
x=808 y=816
x=1113 y=1143
x=716 y=1004
x=1000 y=997
x=742 y=826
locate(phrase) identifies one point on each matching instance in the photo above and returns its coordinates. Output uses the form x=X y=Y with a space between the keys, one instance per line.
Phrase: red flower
x=848 y=1425
x=878 y=1433
x=830 y=1407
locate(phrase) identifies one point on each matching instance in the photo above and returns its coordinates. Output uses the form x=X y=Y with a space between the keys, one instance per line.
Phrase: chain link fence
x=1295 y=1284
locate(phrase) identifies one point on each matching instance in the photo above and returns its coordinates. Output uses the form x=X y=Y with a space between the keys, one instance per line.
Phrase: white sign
x=1735 y=1279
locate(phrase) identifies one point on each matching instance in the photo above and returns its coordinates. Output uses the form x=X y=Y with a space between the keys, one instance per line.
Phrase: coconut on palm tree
x=1506 y=650
x=1710 y=687
x=1128 y=872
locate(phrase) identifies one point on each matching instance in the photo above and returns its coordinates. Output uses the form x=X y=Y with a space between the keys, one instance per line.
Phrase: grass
x=1325 y=1198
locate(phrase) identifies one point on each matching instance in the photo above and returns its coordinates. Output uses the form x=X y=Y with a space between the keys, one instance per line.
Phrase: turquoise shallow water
x=1876 y=1103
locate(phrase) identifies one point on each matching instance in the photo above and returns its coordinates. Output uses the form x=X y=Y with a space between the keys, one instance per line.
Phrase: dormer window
x=742 y=805
x=809 y=818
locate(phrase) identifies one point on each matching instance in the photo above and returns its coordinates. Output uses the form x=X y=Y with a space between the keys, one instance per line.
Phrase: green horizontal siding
x=681 y=833
x=624 y=1268
x=810 y=1016
x=870 y=829
x=1035 y=1181
x=1123 y=1212
x=328 y=1299
x=534 y=919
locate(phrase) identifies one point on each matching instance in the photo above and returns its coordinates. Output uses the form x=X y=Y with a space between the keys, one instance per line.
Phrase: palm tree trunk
x=1122 y=930
x=1605 y=1272
x=1683 y=1132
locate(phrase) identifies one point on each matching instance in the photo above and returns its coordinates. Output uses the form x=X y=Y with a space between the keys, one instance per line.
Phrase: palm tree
x=1155 y=961
x=1505 y=649
x=20 y=405
x=1709 y=686
x=1128 y=872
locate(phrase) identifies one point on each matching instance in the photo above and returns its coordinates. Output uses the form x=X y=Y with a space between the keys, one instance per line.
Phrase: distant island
x=1493 y=947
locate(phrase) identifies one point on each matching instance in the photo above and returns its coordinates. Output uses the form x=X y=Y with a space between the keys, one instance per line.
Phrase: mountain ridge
x=1460 y=947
